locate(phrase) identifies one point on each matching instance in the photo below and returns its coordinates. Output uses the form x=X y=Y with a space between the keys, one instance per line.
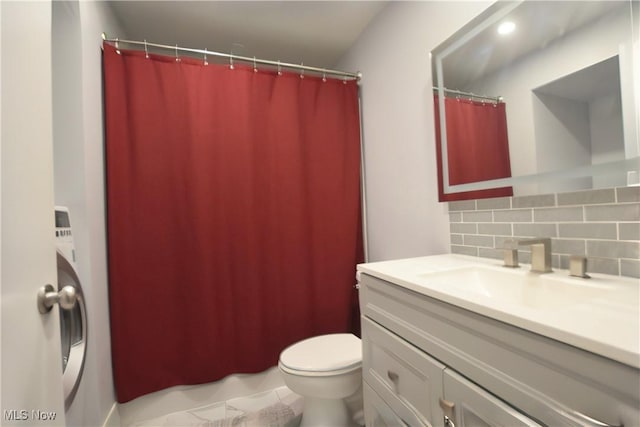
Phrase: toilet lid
x=324 y=353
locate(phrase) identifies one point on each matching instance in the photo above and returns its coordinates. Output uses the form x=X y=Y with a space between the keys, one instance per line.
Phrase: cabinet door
x=407 y=379
x=377 y=413
x=475 y=407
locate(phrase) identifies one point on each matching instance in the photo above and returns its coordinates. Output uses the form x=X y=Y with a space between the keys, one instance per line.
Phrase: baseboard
x=113 y=419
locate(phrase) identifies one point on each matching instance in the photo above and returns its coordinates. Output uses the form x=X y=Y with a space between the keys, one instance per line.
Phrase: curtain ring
x=255 y=67
x=231 y=67
x=146 y=50
x=344 y=80
x=205 y=57
x=177 y=57
x=302 y=70
x=324 y=75
x=117 y=47
x=279 y=68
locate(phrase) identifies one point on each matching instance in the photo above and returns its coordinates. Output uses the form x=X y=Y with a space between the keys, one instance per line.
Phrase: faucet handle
x=510 y=251
x=510 y=258
x=578 y=266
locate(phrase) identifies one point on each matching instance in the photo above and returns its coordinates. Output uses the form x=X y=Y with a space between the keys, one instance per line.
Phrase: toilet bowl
x=324 y=370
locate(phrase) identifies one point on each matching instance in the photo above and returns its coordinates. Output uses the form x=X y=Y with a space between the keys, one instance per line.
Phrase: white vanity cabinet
x=405 y=386
x=403 y=376
x=424 y=360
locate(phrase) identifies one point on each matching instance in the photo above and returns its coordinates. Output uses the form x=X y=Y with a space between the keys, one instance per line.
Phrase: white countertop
x=600 y=315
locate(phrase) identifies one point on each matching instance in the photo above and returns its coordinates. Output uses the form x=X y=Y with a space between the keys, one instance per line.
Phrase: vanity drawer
x=406 y=378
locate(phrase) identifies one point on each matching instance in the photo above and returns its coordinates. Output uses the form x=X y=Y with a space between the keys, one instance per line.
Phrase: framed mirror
x=536 y=97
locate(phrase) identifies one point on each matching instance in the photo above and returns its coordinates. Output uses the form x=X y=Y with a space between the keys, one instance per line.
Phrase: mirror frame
x=492 y=15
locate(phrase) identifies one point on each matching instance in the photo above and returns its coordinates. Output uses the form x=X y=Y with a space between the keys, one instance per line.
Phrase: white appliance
x=73 y=321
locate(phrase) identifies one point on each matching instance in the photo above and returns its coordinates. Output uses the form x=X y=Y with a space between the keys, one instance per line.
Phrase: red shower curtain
x=233 y=216
x=477 y=147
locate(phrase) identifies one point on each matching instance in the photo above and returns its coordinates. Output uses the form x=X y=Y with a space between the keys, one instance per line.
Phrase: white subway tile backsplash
x=603 y=265
x=630 y=268
x=463 y=205
x=535 y=230
x=464 y=250
x=497 y=203
x=490 y=253
x=587 y=197
x=495 y=229
x=617 y=212
x=534 y=201
x=613 y=249
x=602 y=224
x=480 y=241
x=597 y=230
x=455 y=216
x=461 y=228
x=569 y=247
x=628 y=194
x=558 y=214
x=516 y=215
x=477 y=216
x=498 y=241
x=629 y=231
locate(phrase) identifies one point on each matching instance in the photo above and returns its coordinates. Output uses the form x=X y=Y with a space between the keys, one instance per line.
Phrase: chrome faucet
x=540 y=253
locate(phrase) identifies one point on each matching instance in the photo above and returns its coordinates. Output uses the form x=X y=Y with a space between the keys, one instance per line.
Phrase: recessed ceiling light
x=506 y=27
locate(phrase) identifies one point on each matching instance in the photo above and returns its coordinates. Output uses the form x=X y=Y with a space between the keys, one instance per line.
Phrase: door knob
x=48 y=297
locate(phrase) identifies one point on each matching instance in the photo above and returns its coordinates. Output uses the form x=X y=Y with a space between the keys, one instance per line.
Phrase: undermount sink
x=600 y=315
x=517 y=286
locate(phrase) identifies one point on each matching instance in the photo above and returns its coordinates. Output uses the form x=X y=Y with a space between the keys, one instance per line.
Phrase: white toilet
x=324 y=370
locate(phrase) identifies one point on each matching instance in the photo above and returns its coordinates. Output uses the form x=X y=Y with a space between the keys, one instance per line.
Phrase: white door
x=31 y=374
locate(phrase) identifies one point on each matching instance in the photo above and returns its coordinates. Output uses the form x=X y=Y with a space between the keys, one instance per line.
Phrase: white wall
x=79 y=184
x=403 y=213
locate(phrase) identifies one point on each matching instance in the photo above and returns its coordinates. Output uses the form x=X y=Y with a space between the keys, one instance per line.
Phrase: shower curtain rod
x=471 y=95
x=205 y=53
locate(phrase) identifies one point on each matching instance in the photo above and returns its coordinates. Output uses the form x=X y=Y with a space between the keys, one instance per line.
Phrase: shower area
x=233 y=223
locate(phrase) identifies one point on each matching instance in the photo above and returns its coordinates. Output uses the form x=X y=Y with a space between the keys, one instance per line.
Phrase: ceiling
x=316 y=33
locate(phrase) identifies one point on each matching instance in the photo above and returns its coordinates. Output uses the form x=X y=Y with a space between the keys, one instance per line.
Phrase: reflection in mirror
x=565 y=75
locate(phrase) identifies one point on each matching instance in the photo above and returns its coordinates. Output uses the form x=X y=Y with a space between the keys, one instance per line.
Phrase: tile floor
x=279 y=407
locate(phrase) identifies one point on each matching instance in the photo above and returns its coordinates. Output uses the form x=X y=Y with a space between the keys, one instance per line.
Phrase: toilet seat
x=324 y=355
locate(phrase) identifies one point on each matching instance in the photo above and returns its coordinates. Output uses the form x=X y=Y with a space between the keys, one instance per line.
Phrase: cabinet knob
x=447 y=409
